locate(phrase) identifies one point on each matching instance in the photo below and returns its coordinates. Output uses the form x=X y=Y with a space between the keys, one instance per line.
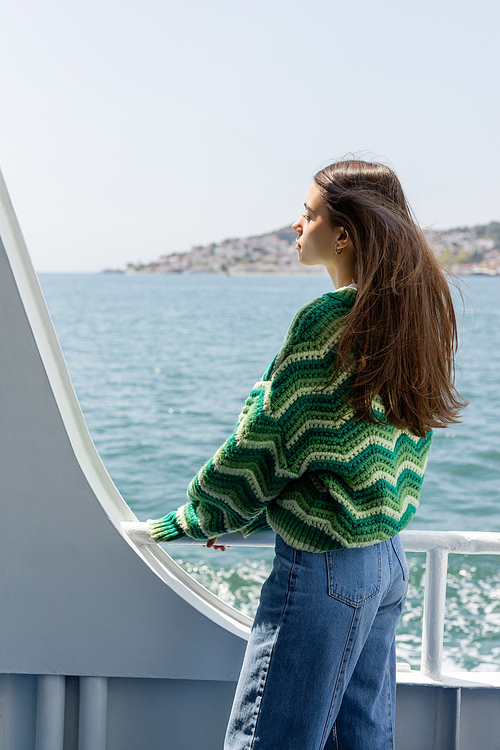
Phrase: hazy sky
x=132 y=128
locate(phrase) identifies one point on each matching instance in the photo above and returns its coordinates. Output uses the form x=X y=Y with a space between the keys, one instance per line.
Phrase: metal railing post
x=433 y=617
x=93 y=713
x=50 y=702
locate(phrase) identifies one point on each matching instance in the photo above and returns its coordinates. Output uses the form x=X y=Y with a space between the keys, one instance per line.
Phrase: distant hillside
x=468 y=246
x=271 y=253
x=466 y=249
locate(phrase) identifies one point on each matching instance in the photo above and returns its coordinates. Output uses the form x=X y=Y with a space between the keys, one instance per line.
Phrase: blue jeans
x=320 y=668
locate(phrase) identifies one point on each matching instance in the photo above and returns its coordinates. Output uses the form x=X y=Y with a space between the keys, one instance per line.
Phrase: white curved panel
x=61 y=519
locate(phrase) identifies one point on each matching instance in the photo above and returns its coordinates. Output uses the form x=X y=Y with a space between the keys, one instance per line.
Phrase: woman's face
x=317 y=240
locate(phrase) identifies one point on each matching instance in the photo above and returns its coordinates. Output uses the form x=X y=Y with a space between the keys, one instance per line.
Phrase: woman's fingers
x=211 y=543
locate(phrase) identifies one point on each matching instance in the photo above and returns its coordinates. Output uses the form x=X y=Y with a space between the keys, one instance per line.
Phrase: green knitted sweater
x=299 y=462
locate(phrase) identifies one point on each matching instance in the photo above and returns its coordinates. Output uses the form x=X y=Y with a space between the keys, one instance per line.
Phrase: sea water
x=162 y=366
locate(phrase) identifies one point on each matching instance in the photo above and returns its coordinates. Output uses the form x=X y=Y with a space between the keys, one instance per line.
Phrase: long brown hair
x=400 y=336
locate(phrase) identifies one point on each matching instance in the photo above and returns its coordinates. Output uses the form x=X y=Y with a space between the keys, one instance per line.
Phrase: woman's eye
x=306 y=216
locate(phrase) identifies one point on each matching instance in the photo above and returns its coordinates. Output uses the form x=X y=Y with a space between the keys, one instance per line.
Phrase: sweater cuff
x=166 y=529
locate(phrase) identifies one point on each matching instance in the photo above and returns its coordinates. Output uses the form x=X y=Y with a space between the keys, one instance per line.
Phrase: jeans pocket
x=354 y=574
x=398 y=548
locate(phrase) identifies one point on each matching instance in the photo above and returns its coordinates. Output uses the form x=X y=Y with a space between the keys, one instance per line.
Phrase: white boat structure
x=105 y=643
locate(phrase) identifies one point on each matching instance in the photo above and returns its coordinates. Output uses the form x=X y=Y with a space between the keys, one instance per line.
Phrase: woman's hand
x=211 y=543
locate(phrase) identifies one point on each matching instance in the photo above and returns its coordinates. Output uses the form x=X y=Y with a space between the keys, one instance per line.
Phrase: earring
x=339 y=252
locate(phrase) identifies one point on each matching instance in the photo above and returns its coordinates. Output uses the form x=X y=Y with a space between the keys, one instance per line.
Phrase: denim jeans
x=320 y=668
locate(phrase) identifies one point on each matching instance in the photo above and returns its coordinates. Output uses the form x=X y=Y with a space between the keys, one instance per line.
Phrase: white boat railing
x=436 y=544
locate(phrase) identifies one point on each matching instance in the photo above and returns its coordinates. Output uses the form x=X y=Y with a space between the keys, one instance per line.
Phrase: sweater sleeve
x=231 y=490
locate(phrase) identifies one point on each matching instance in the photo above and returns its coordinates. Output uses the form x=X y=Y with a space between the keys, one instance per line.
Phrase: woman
x=330 y=452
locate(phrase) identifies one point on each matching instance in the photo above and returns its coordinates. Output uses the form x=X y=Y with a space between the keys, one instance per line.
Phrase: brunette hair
x=400 y=336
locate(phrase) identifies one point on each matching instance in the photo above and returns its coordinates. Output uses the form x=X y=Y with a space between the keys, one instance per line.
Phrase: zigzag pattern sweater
x=299 y=462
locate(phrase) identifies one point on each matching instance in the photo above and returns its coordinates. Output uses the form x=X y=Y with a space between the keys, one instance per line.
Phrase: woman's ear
x=343 y=238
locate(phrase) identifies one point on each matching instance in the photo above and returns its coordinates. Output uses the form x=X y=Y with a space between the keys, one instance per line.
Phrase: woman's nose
x=297 y=227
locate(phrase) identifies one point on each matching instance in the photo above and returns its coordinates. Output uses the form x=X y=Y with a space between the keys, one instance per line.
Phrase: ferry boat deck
x=106 y=643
